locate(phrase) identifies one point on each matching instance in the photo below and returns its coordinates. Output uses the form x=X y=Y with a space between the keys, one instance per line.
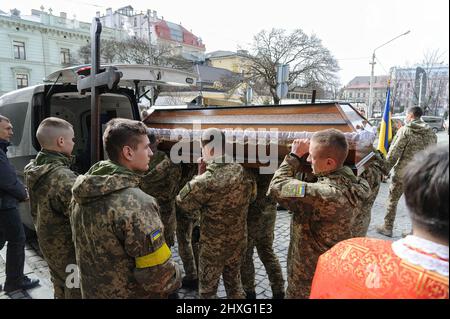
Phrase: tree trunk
x=276 y=100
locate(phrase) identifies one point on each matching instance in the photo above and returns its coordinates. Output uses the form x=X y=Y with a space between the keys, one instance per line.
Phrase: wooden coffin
x=259 y=134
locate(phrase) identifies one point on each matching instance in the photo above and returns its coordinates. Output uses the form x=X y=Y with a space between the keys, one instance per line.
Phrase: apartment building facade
x=33 y=46
x=148 y=25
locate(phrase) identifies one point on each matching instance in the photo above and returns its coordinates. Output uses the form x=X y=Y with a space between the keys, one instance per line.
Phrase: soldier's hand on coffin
x=300 y=147
x=201 y=166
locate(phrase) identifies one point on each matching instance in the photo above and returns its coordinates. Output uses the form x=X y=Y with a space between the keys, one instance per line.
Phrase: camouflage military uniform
x=188 y=245
x=410 y=139
x=161 y=181
x=118 y=236
x=322 y=215
x=261 y=226
x=50 y=181
x=373 y=174
x=222 y=195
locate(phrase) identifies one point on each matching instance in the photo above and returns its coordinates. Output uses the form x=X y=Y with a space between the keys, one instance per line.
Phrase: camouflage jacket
x=50 y=181
x=376 y=168
x=162 y=179
x=118 y=235
x=410 y=139
x=222 y=195
x=323 y=212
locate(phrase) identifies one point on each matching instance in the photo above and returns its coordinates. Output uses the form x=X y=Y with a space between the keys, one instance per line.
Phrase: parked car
x=436 y=122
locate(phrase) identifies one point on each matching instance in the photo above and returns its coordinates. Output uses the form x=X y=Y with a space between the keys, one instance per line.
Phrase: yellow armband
x=158 y=257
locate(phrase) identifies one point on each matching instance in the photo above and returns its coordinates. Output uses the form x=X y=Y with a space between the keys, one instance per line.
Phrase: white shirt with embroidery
x=421 y=252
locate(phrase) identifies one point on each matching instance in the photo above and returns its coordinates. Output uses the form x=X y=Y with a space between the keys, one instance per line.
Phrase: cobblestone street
x=36 y=267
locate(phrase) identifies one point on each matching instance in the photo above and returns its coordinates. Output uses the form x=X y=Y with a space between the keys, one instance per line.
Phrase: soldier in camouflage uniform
x=50 y=180
x=260 y=227
x=373 y=174
x=322 y=212
x=161 y=181
x=412 y=138
x=118 y=234
x=188 y=234
x=221 y=194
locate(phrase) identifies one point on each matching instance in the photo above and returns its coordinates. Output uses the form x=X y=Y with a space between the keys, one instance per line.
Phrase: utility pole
x=369 y=108
x=420 y=89
x=150 y=53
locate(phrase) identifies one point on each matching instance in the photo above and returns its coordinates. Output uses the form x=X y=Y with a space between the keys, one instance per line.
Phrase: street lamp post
x=420 y=89
x=369 y=108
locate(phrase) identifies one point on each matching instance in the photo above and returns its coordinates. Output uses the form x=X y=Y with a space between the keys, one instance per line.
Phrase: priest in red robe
x=414 y=267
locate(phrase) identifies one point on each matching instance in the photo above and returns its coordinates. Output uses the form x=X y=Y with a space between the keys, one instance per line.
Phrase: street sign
x=282 y=90
x=249 y=95
x=282 y=78
x=282 y=73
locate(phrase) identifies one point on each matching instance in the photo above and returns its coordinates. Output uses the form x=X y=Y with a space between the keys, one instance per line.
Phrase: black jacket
x=11 y=188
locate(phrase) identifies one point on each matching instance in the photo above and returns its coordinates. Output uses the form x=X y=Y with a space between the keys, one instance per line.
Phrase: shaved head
x=50 y=130
x=331 y=143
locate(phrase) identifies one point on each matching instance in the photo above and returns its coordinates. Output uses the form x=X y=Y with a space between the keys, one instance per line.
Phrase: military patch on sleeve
x=185 y=191
x=155 y=235
x=294 y=190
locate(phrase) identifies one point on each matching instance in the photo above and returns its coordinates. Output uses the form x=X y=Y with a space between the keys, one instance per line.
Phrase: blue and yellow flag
x=386 y=127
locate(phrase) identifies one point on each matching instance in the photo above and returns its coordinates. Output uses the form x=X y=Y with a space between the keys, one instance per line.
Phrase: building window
x=21 y=80
x=19 y=50
x=65 y=56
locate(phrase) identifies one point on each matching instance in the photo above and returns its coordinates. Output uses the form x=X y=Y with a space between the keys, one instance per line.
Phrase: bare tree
x=435 y=87
x=310 y=62
x=108 y=52
x=137 y=51
x=436 y=82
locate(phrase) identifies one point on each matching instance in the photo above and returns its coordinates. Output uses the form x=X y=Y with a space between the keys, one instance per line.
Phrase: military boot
x=278 y=295
x=174 y=295
x=191 y=284
x=250 y=295
x=383 y=230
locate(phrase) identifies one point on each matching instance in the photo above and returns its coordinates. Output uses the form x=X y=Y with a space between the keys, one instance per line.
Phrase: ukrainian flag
x=386 y=127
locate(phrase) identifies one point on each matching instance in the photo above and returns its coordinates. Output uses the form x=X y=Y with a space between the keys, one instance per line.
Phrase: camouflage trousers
x=261 y=227
x=61 y=291
x=395 y=192
x=168 y=219
x=210 y=270
x=362 y=220
x=188 y=236
x=57 y=263
x=301 y=260
x=58 y=254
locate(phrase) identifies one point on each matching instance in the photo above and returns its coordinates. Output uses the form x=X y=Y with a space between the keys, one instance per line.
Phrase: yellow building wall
x=232 y=63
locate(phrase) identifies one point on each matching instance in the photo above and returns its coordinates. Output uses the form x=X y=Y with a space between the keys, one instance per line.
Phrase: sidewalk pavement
x=36 y=267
